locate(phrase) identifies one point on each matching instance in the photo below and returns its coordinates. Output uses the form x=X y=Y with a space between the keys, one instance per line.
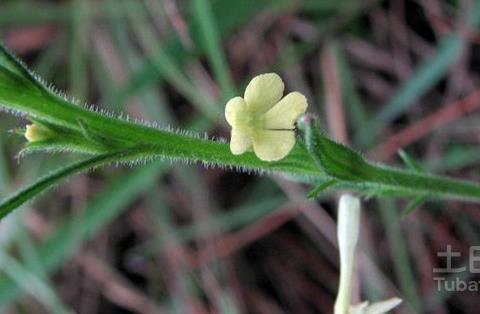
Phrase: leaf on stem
x=43 y=184
x=13 y=73
x=346 y=165
x=414 y=204
x=410 y=162
x=320 y=188
x=337 y=160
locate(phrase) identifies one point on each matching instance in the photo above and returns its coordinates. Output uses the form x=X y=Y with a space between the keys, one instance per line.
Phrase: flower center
x=250 y=121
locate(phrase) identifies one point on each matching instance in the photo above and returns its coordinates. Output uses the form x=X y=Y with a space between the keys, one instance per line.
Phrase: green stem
x=336 y=160
x=66 y=117
x=350 y=168
x=424 y=183
x=320 y=160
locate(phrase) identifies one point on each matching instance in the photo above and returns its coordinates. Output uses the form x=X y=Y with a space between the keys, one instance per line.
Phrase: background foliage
x=382 y=75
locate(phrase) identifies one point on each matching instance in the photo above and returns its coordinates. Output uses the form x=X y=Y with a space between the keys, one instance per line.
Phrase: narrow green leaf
x=320 y=188
x=413 y=165
x=410 y=162
x=14 y=73
x=24 y=195
x=335 y=159
x=414 y=204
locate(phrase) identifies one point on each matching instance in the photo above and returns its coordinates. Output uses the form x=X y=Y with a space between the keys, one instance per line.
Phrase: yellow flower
x=35 y=133
x=263 y=120
x=348 y=229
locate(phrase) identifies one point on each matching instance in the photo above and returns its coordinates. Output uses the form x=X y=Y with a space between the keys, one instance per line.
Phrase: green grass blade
x=211 y=41
x=165 y=64
x=399 y=250
x=229 y=15
x=234 y=219
x=428 y=74
x=355 y=108
x=152 y=99
x=78 y=48
x=4 y=171
x=108 y=205
x=31 y=283
x=30 y=13
x=454 y=159
x=14 y=72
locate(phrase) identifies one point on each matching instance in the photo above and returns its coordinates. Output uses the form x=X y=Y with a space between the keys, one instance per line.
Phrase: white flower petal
x=273 y=145
x=263 y=92
x=286 y=112
x=348 y=227
x=234 y=110
x=383 y=306
x=240 y=141
x=358 y=308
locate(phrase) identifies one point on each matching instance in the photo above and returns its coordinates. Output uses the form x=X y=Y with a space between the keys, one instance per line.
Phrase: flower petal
x=240 y=141
x=383 y=306
x=348 y=228
x=286 y=112
x=234 y=109
x=358 y=308
x=263 y=92
x=273 y=145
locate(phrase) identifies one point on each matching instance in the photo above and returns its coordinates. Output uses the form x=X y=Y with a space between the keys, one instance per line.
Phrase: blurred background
x=175 y=238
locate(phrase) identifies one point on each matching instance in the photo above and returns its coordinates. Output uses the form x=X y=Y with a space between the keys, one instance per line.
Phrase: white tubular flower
x=348 y=226
x=348 y=229
x=263 y=120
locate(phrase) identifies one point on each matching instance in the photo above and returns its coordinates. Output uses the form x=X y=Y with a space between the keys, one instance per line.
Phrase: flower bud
x=35 y=133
